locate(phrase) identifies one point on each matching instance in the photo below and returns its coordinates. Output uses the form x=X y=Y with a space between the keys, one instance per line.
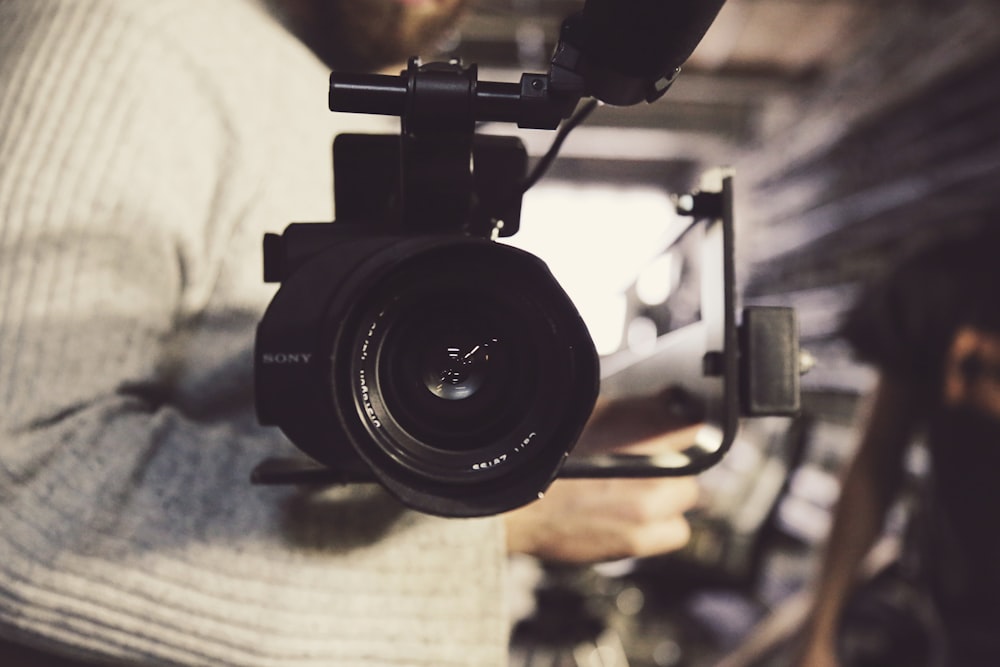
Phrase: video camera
x=406 y=346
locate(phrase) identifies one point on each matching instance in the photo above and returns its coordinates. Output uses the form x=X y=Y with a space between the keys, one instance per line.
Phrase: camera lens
x=460 y=371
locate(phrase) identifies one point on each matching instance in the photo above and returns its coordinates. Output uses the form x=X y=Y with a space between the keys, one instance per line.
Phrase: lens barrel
x=455 y=368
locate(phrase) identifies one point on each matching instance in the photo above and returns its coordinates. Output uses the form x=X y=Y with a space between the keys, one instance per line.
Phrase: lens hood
x=455 y=369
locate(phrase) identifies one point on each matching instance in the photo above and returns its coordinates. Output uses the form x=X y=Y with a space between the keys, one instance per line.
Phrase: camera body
x=409 y=350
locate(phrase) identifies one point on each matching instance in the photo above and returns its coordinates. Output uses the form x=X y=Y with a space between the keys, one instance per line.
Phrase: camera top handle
x=620 y=52
x=616 y=52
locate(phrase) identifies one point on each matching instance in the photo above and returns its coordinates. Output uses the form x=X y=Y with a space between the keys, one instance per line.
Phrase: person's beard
x=369 y=35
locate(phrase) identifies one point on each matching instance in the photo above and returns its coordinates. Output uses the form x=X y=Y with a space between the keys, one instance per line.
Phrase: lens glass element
x=453 y=371
x=457 y=370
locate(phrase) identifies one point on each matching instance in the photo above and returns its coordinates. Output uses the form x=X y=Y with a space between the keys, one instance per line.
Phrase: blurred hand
x=646 y=425
x=592 y=520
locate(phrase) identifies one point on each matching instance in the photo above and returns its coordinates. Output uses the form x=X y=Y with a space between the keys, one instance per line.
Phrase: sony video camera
x=405 y=346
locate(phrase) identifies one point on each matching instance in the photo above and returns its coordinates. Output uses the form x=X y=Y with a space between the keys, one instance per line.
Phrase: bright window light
x=595 y=239
x=657 y=280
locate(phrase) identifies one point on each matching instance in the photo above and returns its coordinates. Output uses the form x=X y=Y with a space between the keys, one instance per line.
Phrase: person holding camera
x=932 y=327
x=145 y=148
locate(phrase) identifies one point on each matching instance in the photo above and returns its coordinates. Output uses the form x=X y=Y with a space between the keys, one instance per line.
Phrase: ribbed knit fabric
x=145 y=147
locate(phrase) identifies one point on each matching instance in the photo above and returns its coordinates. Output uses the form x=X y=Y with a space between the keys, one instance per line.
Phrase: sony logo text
x=286 y=357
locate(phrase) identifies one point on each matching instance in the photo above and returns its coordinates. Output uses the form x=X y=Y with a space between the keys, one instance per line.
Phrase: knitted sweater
x=145 y=147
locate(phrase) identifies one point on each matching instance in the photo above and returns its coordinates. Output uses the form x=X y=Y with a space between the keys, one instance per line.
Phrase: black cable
x=546 y=160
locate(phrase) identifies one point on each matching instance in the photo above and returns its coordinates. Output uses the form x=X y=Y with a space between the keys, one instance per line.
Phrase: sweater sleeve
x=130 y=532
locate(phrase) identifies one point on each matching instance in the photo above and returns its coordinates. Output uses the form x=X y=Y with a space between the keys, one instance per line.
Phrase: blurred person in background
x=932 y=328
x=145 y=148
